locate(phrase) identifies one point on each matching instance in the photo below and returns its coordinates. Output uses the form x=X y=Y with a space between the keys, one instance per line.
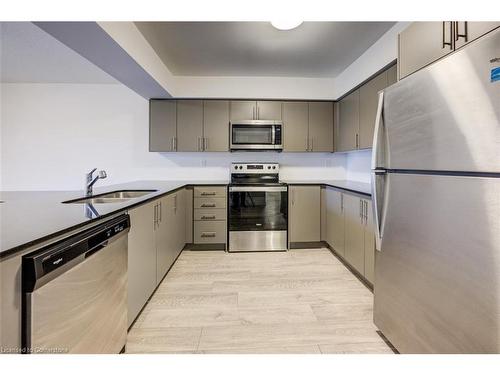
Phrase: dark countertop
x=354 y=186
x=31 y=217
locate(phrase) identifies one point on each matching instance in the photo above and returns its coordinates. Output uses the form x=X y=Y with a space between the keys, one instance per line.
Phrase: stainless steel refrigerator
x=436 y=199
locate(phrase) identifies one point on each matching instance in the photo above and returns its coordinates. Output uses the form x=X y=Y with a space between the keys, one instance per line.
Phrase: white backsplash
x=358 y=165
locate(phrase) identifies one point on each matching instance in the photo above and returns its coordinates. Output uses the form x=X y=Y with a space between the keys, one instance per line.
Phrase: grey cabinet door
x=369 y=243
x=179 y=221
x=141 y=258
x=335 y=220
x=216 y=125
x=392 y=75
x=321 y=126
x=162 y=125
x=243 y=110
x=354 y=233
x=348 y=122
x=368 y=103
x=268 y=110
x=421 y=43
x=295 y=126
x=304 y=213
x=165 y=236
x=472 y=30
x=189 y=125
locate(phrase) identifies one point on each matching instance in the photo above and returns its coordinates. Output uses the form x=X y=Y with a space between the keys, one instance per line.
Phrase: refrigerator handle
x=378 y=205
x=377 y=154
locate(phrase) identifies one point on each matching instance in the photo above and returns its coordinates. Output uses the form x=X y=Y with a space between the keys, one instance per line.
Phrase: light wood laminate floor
x=301 y=301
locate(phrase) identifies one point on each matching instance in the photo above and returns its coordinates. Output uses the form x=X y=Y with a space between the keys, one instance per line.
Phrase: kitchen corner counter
x=352 y=186
x=28 y=218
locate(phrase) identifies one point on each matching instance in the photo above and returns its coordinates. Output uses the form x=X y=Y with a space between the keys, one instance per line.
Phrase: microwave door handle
x=273 y=136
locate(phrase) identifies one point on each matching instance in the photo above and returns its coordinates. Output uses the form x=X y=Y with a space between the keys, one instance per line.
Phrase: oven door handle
x=257 y=188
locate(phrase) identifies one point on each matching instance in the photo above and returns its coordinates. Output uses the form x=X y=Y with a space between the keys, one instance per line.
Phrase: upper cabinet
x=347 y=137
x=308 y=126
x=320 y=126
x=162 y=125
x=368 y=103
x=190 y=125
x=422 y=43
x=357 y=112
x=216 y=125
x=255 y=110
x=203 y=125
x=296 y=124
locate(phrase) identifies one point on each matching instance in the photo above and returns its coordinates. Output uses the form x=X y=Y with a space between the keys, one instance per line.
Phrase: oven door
x=254 y=135
x=258 y=218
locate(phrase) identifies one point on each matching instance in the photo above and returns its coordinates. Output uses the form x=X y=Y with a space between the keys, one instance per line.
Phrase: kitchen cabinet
x=348 y=122
x=335 y=219
x=189 y=125
x=255 y=110
x=466 y=32
x=368 y=103
x=320 y=126
x=216 y=125
x=354 y=232
x=422 y=43
x=304 y=209
x=369 y=238
x=141 y=258
x=296 y=126
x=170 y=231
x=162 y=125
x=209 y=217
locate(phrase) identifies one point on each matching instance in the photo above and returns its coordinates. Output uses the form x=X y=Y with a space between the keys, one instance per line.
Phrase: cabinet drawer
x=209 y=232
x=205 y=214
x=209 y=202
x=210 y=191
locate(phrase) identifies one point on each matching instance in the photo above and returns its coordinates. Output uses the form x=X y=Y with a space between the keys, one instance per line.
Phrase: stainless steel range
x=258 y=208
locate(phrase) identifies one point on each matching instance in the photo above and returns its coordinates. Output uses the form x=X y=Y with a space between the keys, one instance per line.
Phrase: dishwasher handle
x=45 y=264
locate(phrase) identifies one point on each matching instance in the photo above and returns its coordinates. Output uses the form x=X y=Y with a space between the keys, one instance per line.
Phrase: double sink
x=112 y=197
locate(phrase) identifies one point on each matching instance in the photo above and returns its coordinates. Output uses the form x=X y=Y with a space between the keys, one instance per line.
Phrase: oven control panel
x=255 y=168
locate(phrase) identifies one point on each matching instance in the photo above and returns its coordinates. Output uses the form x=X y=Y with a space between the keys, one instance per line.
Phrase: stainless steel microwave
x=258 y=135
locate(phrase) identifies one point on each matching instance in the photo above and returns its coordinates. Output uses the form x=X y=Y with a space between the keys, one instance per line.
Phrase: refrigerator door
x=437 y=278
x=447 y=117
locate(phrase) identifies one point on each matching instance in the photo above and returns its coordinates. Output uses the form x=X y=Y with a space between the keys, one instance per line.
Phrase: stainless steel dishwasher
x=75 y=292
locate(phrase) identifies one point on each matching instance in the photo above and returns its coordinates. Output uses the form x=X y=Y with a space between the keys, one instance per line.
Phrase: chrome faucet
x=90 y=180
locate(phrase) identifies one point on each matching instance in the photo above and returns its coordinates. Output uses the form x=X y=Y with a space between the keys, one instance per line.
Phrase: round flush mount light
x=286 y=24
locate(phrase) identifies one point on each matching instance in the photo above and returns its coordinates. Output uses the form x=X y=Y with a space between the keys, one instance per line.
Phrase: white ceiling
x=314 y=49
x=30 y=55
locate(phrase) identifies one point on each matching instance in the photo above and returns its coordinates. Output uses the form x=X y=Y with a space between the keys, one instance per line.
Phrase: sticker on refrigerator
x=495 y=75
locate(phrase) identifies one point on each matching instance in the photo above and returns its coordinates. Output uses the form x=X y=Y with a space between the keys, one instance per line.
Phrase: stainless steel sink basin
x=112 y=197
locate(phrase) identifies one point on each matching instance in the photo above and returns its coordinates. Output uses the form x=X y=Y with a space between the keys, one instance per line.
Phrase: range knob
x=274 y=167
x=241 y=167
x=268 y=167
x=235 y=167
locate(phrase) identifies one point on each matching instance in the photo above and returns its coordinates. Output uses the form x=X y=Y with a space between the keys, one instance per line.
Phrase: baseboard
x=205 y=246
x=306 y=245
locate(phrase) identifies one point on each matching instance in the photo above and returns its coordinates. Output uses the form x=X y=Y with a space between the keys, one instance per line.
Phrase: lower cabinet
x=349 y=230
x=141 y=258
x=209 y=215
x=157 y=236
x=304 y=209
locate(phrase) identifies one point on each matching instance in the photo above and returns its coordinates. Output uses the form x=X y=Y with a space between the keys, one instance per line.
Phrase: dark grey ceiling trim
x=93 y=43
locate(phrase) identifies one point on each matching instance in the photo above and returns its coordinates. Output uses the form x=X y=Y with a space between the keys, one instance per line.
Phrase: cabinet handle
x=155 y=217
x=341 y=202
x=205 y=143
x=208 y=193
x=361 y=209
x=253 y=113
x=357 y=140
x=208 y=205
x=445 y=43
x=457 y=32
x=312 y=145
x=307 y=143
x=159 y=210
x=172 y=147
x=208 y=234
x=208 y=217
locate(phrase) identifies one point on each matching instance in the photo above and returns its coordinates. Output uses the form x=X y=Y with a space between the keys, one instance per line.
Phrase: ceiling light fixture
x=286 y=24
